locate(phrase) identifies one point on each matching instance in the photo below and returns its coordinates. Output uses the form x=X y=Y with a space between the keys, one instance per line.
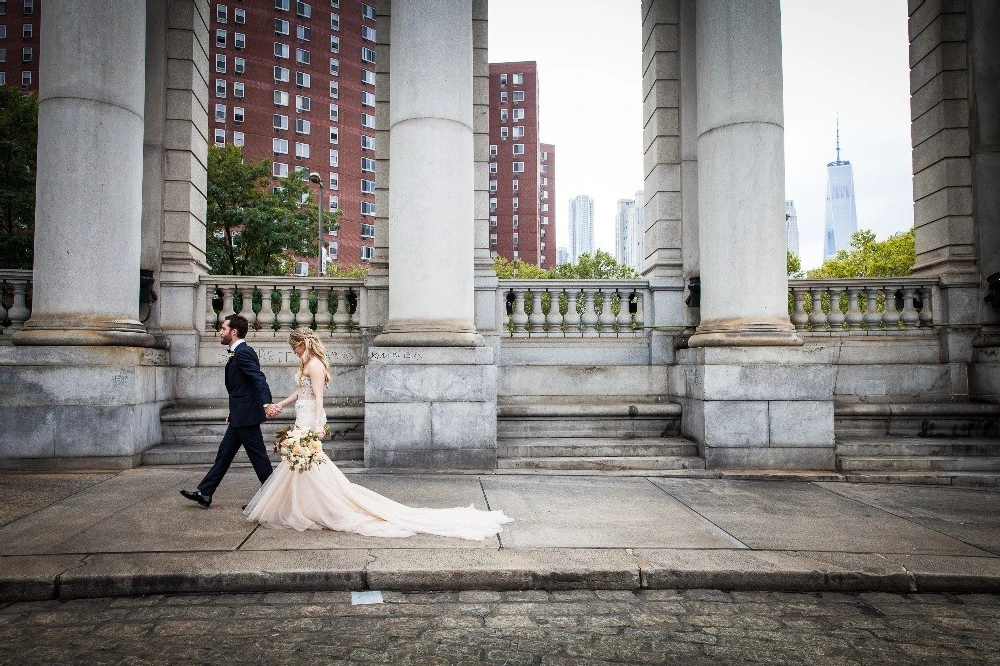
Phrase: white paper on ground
x=360 y=598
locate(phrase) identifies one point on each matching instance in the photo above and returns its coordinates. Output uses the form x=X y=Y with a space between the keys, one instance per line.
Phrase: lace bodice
x=305 y=404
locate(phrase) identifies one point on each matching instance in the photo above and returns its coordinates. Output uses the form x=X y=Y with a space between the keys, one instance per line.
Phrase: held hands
x=272 y=411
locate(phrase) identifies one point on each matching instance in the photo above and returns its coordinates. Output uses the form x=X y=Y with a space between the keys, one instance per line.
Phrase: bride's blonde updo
x=314 y=348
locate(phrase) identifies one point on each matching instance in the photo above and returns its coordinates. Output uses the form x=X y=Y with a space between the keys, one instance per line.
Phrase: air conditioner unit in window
x=301 y=268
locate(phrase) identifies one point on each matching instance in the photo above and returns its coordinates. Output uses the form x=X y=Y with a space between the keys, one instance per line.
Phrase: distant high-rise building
x=522 y=170
x=629 y=231
x=791 y=227
x=841 y=211
x=581 y=226
x=19 y=44
x=562 y=255
x=639 y=235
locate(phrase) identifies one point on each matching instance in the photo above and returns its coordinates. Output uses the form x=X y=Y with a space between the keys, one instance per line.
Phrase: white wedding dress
x=323 y=498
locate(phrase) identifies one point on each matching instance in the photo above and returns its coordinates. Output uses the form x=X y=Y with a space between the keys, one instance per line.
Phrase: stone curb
x=35 y=578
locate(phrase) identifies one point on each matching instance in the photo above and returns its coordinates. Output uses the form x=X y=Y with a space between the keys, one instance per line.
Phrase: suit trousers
x=251 y=439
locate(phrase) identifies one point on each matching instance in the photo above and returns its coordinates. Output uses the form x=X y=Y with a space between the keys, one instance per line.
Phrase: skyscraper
x=841 y=212
x=581 y=226
x=639 y=236
x=522 y=170
x=791 y=227
x=629 y=232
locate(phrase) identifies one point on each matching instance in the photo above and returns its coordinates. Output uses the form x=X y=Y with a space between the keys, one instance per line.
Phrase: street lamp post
x=314 y=177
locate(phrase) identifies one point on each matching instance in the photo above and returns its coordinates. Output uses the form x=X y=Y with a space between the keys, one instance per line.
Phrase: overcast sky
x=839 y=55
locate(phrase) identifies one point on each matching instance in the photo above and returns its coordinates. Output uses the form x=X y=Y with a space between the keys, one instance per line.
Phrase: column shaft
x=89 y=185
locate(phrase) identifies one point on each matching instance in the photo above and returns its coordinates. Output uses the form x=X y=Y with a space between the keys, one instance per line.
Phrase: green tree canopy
x=252 y=230
x=18 y=165
x=601 y=266
x=793 y=264
x=868 y=257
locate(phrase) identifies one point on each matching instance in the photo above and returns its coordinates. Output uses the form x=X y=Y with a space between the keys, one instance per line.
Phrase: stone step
x=193 y=453
x=944 y=419
x=603 y=463
x=616 y=417
x=918 y=446
x=958 y=479
x=918 y=463
x=601 y=447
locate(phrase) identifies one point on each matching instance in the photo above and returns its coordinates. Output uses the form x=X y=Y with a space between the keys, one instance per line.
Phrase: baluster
x=246 y=309
x=890 y=315
x=3 y=310
x=265 y=318
x=926 y=309
x=19 y=312
x=854 y=315
x=589 y=318
x=572 y=319
x=211 y=316
x=817 y=318
x=910 y=317
x=554 y=317
x=519 y=318
x=607 y=319
x=285 y=316
x=835 y=318
x=537 y=318
x=624 y=319
x=323 y=316
x=342 y=315
x=227 y=301
x=872 y=316
x=799 y=316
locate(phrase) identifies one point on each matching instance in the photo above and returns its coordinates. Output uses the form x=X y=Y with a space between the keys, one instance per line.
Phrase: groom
x=249 y=401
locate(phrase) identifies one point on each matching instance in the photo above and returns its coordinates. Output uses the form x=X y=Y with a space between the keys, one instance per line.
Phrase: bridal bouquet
x=300 y=448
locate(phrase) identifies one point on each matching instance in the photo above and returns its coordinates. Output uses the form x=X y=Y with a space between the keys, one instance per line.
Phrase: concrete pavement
x=128 y=533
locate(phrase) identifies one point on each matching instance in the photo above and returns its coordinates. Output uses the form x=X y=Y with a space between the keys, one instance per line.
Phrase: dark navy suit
x=248 y=393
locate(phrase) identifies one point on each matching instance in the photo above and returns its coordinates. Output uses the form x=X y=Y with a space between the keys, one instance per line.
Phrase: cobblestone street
x=577 y=628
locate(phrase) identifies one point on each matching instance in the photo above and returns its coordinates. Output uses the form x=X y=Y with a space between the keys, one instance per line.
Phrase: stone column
x=741 y=172
x=90 y=162
x=431 y=228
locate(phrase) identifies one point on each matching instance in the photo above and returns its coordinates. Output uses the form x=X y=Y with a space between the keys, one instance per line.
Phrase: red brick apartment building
x=288 y=80
x=519 y=229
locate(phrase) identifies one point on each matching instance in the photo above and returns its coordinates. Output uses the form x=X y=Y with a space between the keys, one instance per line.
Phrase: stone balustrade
x=280 y=304
x=863 y=306
x=575 y=308
x=15 y=299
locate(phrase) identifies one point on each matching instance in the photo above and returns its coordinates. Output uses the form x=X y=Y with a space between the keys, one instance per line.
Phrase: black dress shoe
x=195 y=496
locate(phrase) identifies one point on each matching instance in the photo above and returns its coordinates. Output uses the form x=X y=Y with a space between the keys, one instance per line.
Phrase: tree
x=793 y=265
x=600 y=266
x=517 y=269
x=18 y=165
x=252 y=230
x=893 y=257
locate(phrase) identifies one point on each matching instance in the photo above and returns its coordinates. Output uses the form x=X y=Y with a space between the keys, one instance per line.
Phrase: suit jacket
x=247 y=386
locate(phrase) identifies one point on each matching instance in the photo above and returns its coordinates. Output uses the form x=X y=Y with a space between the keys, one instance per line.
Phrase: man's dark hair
x=239 y=324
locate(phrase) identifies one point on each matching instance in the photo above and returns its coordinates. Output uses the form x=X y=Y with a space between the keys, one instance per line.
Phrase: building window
x=518 y=131
x=545 y=168
x=334 y=135
x=239 y=90
x=514 y=203
x=334 y=250
x=368 y=231
x=279 y=169
x=26 y=31
x=334 y=180
x=302 y=56
x=239 y=16
x=334 y=44
x=239 y=65
x=28 y=7
x=367 y=186
x=302 y=103
x=334 y=157
x=334 y=21
x=240 y=41
x=493 y=220
x=514 y=184
x=368 y=12
x=238 y=114
x=3 y=78
x=368 y=164
x=493 y=167
x=518 y=96
x=515 y=239
x=519 y=149
x=279 y=146
x=302 y=126
x=367 y=55
x=25 y=79
x=303 y=9
x=368 y=121
x=238 y=139
x=545 y=181
x=503 y=79
x=26 y=54
x=334 y=89
x=302 y=80
x=334 y=67
x=503 y=115
x=545 y=155
x=303 y=33
x=493 y=204
x=367 y=99
x=518 y=114
x=367 y=208
x=220 y=113
x=503 y=96
x=280 y=98
x=493 y=150
x=220 y=63
x=545 y=221
x=518 y=79
x=334 y=202
x=281 y=5
x=220 y=38
x=367 y=253
x=367 y=33
x=281 y=26
x=493 y=186
x=279 y=122
x=493 y=239
x=367 y=142
x=220 y=137
x=545 y=194
x=504 y=132
x=335 y=112
x=515 y=220
x=518 y=167
x=280 y=50
x=301 y=150
x=281 y=75
x=545 y=208
x=220 y=88
x=368 y=77
x=221 y=13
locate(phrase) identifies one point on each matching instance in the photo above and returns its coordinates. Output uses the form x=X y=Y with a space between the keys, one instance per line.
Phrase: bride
x=322 y=497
